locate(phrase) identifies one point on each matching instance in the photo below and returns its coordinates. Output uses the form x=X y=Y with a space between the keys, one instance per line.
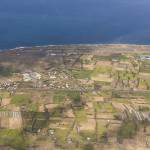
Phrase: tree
x=147 y=85
x=88 y=146
x=1 y=100
x=145 y=124
x=127 y=130
x=105 y=137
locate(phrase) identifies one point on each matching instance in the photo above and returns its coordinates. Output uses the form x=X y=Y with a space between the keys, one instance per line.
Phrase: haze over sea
x=44 y=22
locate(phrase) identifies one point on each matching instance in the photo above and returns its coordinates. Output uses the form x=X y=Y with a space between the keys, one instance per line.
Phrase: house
x=31 y=76
x=145 y=57
x=26 y=77
x=35 y=75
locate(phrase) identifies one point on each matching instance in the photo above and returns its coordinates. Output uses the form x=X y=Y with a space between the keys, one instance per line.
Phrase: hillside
x=82 y=97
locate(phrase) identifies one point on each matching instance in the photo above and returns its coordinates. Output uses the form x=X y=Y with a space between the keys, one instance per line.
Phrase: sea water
x=45 y=22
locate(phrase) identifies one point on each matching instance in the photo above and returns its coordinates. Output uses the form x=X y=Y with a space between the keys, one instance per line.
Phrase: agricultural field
x=75 y=97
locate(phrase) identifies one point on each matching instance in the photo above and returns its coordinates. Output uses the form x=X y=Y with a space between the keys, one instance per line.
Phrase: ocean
x=46 y=22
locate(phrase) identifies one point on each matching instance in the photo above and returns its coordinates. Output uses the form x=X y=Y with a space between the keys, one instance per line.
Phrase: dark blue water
x=42 y=22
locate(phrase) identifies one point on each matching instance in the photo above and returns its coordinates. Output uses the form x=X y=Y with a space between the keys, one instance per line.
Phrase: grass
x=80 y=115
x=61 y=135
x=21 y=99
x=119 y=57
x=13 y=139
x=106 y=93
x=101 y=129
x=75 y=136
x=145 y=84
x=145 y=95
x=87 y=74
x=3 y=109
x=88 y=134
x=145 y=67
x=82 y=74
x=102 y=58
x=104 y=107
x=4 y=94
x=34 y=107
x=122 y=100
x=101 y=70
x=141 y=84
x=103 y=83
x=59 y=96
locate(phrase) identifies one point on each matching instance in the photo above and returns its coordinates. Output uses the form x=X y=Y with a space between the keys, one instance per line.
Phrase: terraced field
x=75 y=97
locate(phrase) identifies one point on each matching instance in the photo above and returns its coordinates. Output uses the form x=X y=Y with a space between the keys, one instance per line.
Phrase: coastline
x=61 y=45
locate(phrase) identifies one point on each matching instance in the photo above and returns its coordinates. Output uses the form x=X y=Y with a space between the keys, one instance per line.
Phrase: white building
x=31 y=76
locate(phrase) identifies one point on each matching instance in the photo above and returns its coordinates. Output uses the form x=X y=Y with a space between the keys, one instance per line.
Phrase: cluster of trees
x=126 y=79
x=60 y=96
x=128 y=129
x=6 y=71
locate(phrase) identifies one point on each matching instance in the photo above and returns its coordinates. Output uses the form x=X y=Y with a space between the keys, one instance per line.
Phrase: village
x=75 y=97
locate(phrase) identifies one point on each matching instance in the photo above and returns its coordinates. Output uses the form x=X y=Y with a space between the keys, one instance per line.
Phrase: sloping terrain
x=82 y=97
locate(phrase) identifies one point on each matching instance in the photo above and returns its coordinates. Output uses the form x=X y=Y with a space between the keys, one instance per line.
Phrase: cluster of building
x=61 y=80
x=31 y=76
x=145 y=57
x=8 y=85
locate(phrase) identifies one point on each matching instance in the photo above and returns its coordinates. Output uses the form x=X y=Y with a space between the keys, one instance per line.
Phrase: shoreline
x=60 y=45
